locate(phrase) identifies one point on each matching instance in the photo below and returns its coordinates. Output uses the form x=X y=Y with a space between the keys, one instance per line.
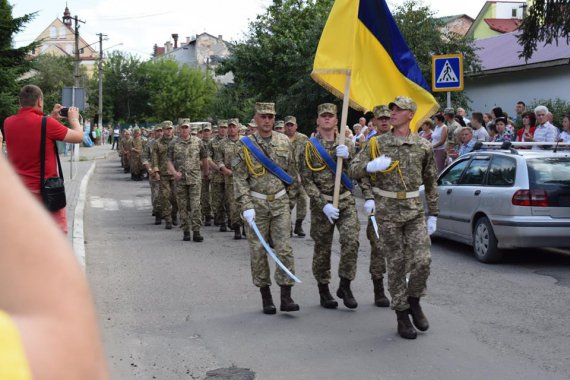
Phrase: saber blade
x=375 y=225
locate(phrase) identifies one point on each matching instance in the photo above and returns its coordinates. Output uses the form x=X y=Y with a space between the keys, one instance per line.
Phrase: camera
x=63 y=112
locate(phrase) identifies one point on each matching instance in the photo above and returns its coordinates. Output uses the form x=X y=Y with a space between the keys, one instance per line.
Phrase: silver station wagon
x=498 y=199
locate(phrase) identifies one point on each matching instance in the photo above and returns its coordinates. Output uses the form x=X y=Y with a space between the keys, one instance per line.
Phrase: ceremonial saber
x=375 y=225
x=272 y=254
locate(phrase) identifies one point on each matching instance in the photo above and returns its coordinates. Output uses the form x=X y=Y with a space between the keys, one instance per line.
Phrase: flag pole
x=343 y=118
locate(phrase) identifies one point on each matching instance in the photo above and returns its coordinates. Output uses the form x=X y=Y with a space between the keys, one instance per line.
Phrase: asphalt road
x=174 y=310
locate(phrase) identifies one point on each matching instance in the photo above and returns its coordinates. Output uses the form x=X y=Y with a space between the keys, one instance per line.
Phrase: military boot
x=243 y=231
x=175 y=219
x=168 y=225
x=405 y=328
x=287 y=303
x=299 y=228
x=223 y=227
x=157 y=220
x=418 y=316
x=197 y=237
x=237 y=232
x=186 y=235
x=268 y=306
x=208 y=221
x=380 y=298
x=345 y=293
x=327 y=300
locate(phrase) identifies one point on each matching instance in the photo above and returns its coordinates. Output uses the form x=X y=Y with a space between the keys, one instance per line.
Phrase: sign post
x=447 y=74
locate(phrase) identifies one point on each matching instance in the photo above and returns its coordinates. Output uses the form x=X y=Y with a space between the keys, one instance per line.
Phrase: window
x=63 y=32
x=514 y=13
x=52 y=32
x=502 y=171
x=452 y=175
x=475 y=173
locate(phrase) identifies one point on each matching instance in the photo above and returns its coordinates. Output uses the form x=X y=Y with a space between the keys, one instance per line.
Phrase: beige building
x=59 y=39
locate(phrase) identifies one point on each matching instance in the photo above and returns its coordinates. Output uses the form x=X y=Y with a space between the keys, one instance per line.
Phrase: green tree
x=546 y=21
x=13 y=62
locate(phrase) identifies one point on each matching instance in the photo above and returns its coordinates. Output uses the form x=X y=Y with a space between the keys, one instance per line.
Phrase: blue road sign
x=447 y=72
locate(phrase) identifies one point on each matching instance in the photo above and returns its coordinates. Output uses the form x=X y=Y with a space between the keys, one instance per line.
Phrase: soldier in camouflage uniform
x=206 y=193
x=135 y=155
x=319 y=181
x=160 y=172
x=147 y=163
x=397 y=163
x=228 y=149
x=263 y=200
x=125 y=150
x=185 y=154
x=298 y=141
x=219 y=199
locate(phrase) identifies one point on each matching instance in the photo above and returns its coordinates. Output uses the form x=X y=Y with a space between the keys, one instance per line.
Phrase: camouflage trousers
x=234 y=209
x=273 y=219
x=322 y=232
x=188 y=197
x=168 y=198
x=206 y=198
x=135 y=164
x=300 y=200
x=155 y=196
x=377 y=256
x=407 y=248
x=219 y=202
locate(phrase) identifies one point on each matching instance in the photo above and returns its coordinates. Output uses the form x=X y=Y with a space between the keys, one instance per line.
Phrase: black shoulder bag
x=52 y=189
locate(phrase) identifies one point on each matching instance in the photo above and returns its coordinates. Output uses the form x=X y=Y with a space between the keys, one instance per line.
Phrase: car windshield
x=549 y=171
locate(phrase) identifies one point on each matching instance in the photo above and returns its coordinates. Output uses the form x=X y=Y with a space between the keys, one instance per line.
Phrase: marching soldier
x=154 y=184
x=298 y=140
x=125 y=150
x=206 y=194
x=263 y=171
x=160 y=172
x=217 y=178
x=184 y=157
x=396 y=164
x=135 y=155
x=318 y=171
x=227 y=150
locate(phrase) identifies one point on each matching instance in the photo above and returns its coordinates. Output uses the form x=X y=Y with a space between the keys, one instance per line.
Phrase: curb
x=78 y=233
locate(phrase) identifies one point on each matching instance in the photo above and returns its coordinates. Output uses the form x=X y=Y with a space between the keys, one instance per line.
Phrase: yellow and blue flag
x=361 y=38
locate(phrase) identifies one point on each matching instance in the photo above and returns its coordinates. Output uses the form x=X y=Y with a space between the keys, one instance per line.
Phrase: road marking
x=110 y=204
x=78 y=235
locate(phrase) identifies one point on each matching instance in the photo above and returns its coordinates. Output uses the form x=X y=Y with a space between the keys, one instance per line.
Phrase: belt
x=396 y=194
x=344 y=195
x=268 y=197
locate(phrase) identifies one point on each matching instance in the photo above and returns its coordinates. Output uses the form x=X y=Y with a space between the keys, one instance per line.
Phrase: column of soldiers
x=257 y=175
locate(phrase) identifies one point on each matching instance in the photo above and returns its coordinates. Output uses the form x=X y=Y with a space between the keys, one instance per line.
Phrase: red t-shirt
x=23 y=136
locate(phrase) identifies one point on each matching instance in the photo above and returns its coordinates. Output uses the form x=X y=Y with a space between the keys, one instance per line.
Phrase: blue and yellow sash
x=271 y=166
x=330 y=162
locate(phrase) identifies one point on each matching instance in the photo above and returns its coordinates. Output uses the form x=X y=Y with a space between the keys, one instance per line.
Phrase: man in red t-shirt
x=23 y=136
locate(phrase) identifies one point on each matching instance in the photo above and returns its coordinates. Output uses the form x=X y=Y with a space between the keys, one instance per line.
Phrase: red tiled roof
x=503 y=25
x=159 y=51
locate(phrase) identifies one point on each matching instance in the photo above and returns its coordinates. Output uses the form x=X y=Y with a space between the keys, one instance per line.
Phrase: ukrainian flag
x=361 y=38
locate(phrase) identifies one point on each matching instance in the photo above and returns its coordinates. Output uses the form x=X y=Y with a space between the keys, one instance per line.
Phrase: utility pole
x=76 y=74
x=100 y=69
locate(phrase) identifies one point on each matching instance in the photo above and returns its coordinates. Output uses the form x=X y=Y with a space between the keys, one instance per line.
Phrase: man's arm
x=75 y=134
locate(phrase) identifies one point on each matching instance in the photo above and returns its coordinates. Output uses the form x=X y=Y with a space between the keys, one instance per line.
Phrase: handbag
x=52 y=189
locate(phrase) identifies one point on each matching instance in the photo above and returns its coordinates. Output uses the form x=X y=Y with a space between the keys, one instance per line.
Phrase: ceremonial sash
x=330 y=162
x=271 y=166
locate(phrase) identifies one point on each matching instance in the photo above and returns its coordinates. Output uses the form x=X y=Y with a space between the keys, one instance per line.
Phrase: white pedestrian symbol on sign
x=447 y=75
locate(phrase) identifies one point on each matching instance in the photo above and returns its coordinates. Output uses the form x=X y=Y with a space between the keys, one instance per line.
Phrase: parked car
x=504 y=199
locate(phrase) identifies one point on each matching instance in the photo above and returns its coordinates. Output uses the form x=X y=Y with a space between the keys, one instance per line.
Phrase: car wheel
x=485 y=242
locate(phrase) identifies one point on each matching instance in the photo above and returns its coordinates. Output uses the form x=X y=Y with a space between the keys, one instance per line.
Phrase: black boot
x=380 y=298
x=157 y=220
x=237 y=232
x=168 y=225
x=405 y=328
x=223 y=227
x=208 y=221
x=345 y=293
x=186 y=235
x=287 y=303
x=418 y=316
x=243 y=231
x=327 y=300
x=299 y=228
x=268 y=306
x=197 y=237
x=175 y=219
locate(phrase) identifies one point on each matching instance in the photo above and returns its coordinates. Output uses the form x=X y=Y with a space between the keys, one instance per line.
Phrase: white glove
x=378 y=164
x=249 y=216
x=342 y=151
x=331 y=212
x=431 y=224
x=369 y=207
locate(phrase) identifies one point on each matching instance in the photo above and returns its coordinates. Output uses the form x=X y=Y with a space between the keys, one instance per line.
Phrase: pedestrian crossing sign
x=447 y=72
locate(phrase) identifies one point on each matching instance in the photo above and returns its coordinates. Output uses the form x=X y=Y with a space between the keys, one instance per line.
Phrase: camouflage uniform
x=154 y=185
x=401 y=222
x=320 y=187
x=126 y=144
x=272 y=216
x=167 y=184
x=186 y=156
x=229 y=149
x=206 y=181
x=301 y=199
x=135 y=157
x=217 y=183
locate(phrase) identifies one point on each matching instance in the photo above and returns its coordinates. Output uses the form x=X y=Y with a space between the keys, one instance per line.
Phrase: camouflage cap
x=182 y=122
x=158 y=127
x=252 y=123
x=381 y=111
x=326 y=108
x=403 y=102
x=214 y=128
x=279 y=124
x=136 y=129
x=167 y=124
x=207 y=126
x=194 y=128
x=290 y=120
x=265 y=108
x=234 y=121
x=243 y=127
x=449 y=111
x=222 y=123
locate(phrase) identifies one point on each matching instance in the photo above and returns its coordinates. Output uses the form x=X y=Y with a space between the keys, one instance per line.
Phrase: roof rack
x=507 y=145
